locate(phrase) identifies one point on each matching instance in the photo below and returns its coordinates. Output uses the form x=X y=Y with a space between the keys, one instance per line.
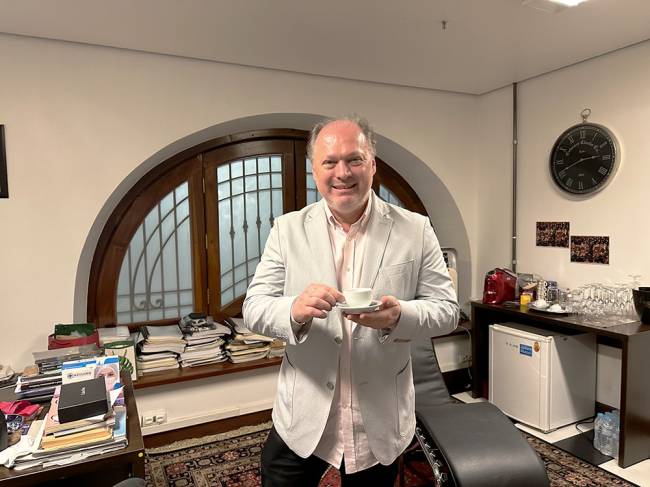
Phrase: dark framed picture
x=590 y=249
x=552 y=234
x=4 y=189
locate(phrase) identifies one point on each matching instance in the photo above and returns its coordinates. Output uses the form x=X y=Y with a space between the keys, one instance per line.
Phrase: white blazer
x=402 y=258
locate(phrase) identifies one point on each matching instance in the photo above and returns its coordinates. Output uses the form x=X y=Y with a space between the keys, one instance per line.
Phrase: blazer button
x=330 y=386
x=338 y=340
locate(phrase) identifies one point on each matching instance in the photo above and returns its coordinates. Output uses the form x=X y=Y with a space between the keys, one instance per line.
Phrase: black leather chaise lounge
x=468 y=445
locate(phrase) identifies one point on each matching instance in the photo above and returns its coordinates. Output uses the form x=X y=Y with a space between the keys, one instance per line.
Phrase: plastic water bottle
x=598 y=432
x=609 y=433
x=616 y=423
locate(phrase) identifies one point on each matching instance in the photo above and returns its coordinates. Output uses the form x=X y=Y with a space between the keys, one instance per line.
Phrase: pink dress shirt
x=344 y=436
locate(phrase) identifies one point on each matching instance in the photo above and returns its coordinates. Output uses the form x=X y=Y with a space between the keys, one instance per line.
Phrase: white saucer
x=351 y=310
x=547 y=310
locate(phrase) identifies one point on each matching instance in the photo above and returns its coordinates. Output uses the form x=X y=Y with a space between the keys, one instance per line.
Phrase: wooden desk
x=632 y=338
x=99 y=470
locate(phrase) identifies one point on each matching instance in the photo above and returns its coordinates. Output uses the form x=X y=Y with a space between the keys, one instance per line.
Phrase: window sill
x=193 y=373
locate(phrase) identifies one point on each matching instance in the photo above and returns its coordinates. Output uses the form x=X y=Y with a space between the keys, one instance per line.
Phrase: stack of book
x=112 y=334
x=158 y=348
x=57 y=443
x=277 y=348
x=246 y=345
x=74 y=433
x=38 y=381
x=37 y=387
x=50 y=360
x=204 y=338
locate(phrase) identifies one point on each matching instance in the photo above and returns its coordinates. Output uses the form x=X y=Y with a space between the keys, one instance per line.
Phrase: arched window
x=189 y=234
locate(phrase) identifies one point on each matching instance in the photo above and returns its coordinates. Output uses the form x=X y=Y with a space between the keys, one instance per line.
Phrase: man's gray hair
x=361 y=122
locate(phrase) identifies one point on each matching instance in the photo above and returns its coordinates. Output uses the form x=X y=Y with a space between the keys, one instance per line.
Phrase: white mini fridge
x=542 y=378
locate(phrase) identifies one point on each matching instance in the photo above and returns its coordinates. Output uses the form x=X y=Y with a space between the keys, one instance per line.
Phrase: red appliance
x=499 y=286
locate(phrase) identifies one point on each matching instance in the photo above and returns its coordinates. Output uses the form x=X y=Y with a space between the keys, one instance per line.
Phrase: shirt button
x=338 y=340
x=330 y=386
x=403 y=435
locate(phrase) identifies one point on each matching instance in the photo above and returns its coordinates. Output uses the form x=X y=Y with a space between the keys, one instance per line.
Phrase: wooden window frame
x=189 y=166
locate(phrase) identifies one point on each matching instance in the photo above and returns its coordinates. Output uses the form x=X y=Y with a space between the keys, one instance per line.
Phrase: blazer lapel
x=320 y=246
x=378 y=231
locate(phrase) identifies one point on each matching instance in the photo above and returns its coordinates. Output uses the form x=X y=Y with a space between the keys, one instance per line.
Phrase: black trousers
x=281 y=467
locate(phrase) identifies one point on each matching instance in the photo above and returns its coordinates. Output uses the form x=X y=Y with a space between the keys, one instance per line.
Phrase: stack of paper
x=277 y=348
x=56 y=443
x=74 y=433
x=157 y=362
x=37 y=387
x=246 y=345
x=50 y=360
x=158 y=348
x=167 y=338
x=113 y=334
x=204 y=338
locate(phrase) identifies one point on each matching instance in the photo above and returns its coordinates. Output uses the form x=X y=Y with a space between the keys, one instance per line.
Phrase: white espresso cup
x=358 y=297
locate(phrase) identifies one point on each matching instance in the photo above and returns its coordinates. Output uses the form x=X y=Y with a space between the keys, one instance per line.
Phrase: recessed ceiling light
x=552 y=6
x=569 y=3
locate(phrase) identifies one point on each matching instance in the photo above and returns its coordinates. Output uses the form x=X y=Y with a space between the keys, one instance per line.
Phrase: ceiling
x=486 y=44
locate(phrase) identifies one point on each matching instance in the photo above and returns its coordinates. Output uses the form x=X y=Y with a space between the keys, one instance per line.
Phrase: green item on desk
x=125 y=350
x=74 y=329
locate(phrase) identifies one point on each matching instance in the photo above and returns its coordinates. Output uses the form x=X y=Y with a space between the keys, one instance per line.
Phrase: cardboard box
x=83 y=399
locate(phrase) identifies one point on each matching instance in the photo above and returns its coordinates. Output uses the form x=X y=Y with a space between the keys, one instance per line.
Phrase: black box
x=83 y=399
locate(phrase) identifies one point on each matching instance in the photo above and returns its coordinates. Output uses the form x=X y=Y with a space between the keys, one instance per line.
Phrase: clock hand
x=579 y=161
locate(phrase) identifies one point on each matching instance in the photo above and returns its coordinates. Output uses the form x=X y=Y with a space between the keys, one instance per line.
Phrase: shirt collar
x=331 y=219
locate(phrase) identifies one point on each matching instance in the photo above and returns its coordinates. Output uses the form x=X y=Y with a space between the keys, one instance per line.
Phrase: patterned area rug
x=232 y=459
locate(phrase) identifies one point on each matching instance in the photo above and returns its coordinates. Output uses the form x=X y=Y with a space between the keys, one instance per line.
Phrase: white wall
x=617 y=89
x=83 y=123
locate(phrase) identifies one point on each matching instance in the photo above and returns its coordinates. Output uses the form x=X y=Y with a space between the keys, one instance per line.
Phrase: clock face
x=583 y=158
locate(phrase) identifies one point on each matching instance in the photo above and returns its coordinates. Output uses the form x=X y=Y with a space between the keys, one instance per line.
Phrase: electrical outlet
x=147 y=420
x=158 y=416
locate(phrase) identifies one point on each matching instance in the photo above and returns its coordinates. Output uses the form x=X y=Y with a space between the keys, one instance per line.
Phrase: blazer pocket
x=400 y=268
x=394 y=280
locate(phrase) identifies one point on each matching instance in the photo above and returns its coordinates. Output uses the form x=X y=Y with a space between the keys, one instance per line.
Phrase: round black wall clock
x=584 y=157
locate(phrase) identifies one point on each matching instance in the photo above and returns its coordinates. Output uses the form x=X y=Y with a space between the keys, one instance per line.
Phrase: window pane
x=225 y=243
x=223 y=172
x=245 y=215
x=264 y=181
x=236 y=169
x=388 y=196
x=159 y=265
x=237 y=186
x=263 y=164
x=276 y=163
x=223 y=190
x=250 y=166
x=312 y=193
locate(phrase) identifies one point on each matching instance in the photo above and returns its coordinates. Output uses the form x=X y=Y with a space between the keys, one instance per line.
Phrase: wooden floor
x=214 y=427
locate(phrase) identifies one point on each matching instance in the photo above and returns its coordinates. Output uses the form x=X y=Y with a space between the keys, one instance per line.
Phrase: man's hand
x=315 y=302
x=386 y=316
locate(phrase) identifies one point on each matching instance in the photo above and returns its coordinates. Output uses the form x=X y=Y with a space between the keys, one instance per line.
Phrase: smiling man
x=345 y=391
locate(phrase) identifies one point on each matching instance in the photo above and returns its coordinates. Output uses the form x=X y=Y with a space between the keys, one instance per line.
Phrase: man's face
x=343 y=168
